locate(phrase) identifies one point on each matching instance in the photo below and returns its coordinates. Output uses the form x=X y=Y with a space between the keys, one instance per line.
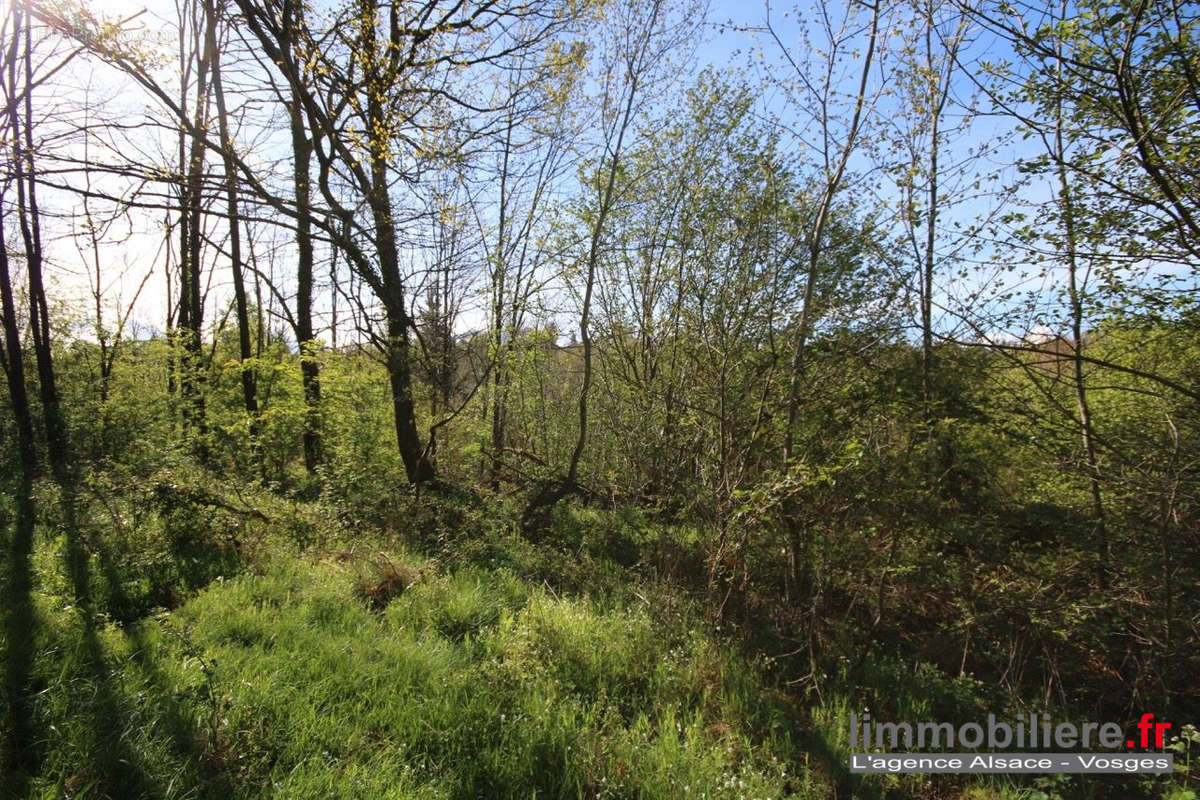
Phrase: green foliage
x=363 y=474
x=472 y=682
x=215 y=621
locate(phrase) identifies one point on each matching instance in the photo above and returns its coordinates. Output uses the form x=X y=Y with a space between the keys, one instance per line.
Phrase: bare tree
x=212 y=14
x=513 y=208
x=821 y=96
x=197 y=56
x=14 y=358
x=387 y=75
x=19 y=69
x=927 y=81
x=637 y=41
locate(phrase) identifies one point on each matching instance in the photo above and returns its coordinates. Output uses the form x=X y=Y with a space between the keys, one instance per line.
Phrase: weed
x=383 y=581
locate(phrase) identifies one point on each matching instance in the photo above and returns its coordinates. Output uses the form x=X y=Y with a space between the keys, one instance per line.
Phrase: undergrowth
x=182 y=639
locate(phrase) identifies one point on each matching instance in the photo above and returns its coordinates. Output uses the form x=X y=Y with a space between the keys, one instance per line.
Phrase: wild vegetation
x=488 y=400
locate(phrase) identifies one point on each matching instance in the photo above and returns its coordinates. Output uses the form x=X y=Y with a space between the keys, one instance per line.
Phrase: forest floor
x=184 y=640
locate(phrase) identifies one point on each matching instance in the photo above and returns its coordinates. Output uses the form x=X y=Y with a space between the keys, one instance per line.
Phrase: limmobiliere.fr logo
x=1020 y=743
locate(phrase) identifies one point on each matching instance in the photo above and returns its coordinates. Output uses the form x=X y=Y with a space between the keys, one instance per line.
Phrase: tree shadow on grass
x=103 y=762
x=113 y=768
x=21 y=757
x=845 y=784
x=178 y=720
x=116 y=768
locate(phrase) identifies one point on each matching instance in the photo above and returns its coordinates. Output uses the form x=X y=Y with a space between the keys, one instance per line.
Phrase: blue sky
x=723 y=46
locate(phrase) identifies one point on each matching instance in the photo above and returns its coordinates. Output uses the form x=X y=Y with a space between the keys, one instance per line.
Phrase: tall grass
x=467 y=683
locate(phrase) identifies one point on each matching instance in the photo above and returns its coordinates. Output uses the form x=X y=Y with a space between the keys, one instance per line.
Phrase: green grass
x=470 y=682
x=309 y=661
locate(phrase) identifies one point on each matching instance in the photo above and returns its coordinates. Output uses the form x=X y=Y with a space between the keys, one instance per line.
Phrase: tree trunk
x=398 y=349
x=14 y=371
x=21 y=129
x=399 y=366
x=310 y=369
x=191 y=311
x=245 y=352
x=1086 y=428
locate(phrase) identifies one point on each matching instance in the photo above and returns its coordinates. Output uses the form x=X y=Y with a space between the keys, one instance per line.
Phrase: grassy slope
x=311 y=657
x=386 y=676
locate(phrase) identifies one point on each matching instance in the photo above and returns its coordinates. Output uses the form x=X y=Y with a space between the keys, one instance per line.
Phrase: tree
x=833 y=105
x=691 y=295
x=834 y=145
x=1109 y=90
x=212 y=14
x=1067 y=212
x=636 y=41
x=20 y=80
x=302 y=150
x=514 y=210
x=450 y=275
x=96 y=229
x=385 y=76
x=925 y=81
x=14 y=359
x=189 y=319
x=1124 y=75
